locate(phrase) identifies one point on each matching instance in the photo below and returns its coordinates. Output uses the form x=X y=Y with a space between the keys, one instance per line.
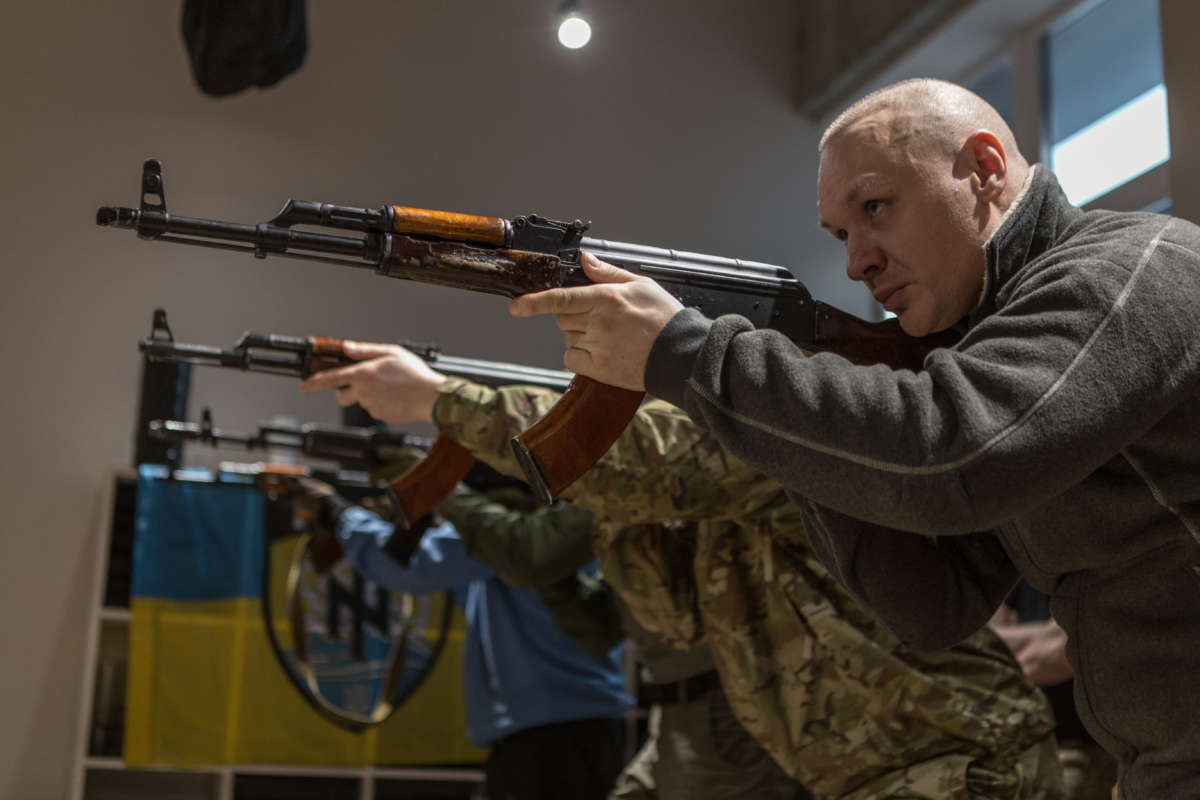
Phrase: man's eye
x=873 y=207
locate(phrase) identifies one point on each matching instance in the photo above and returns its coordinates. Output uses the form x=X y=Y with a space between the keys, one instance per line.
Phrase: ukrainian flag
x=205 y=685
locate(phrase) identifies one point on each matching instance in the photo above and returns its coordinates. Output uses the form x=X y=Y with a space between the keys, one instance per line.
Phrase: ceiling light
x=573 y=30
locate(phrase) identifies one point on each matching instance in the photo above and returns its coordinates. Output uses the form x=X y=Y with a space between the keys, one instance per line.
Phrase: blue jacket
x=519 y=670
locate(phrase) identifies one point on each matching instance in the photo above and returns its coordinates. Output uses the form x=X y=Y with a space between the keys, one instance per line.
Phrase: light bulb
x=574 y=32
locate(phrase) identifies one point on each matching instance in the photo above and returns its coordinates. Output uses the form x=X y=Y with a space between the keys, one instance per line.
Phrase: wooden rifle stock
x=866 y=342
x=583 y=425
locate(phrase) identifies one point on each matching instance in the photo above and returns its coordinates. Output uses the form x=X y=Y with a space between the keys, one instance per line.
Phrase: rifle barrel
x=647 y=254
x=243 y=358
x=348 y=446
x=260 y=239
x=497 y=373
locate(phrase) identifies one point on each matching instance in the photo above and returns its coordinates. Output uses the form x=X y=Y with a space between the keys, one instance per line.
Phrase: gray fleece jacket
x=1059 y=439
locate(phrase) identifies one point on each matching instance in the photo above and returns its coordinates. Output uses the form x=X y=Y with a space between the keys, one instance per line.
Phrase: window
x=1106 y=105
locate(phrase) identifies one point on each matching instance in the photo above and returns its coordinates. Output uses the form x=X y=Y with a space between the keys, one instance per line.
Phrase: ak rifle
x=352 y=448
x=512 y=257
x=419 y=490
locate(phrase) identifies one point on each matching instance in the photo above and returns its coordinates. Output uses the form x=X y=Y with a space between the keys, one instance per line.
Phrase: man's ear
x=988 y=164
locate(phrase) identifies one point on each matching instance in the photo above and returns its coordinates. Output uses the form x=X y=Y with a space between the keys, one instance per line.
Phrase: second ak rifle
x=419 y=490
x=525 y=254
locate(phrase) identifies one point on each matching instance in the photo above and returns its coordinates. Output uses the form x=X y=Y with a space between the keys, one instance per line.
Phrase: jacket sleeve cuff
x=674 y=354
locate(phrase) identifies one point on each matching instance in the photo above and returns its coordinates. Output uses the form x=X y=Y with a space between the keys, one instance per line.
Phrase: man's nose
x=863 y=259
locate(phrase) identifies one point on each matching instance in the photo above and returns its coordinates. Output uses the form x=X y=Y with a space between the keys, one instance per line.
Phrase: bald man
x=1059 y=439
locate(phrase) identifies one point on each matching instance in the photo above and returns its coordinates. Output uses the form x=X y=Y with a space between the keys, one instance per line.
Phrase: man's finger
x=331 y=378
x=346 y=396
x=604 y=272
x=361 y=350
x=575 y=300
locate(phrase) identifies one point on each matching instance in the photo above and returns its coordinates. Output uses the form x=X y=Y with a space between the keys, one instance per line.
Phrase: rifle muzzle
x=117 y=216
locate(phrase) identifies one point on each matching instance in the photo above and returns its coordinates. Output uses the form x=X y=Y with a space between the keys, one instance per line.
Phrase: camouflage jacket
x=699 y=546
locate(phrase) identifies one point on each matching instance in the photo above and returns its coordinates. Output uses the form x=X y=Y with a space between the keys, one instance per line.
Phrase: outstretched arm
x=663 y=467
x=1085 y=354
x=526 y=548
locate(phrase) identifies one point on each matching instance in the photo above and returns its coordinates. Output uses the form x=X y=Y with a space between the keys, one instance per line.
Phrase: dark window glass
x=1099 y=62
x=1106 y=106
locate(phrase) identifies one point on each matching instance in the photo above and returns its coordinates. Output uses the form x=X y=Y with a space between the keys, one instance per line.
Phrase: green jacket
x=702 y=548
x=545 y=548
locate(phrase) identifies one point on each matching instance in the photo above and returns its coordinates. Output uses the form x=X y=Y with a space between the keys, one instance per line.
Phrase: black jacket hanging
x=233 y=44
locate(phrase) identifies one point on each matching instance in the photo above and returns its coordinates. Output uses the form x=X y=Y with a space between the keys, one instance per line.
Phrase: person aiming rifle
x=1058 y=440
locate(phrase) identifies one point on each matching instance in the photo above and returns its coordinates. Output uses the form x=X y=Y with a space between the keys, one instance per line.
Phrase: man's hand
x=391 y=383
x=608 y=328
x=305 y=493
x=1040 y=648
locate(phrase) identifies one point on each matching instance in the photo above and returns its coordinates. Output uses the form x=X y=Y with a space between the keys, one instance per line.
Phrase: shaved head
x=924 y=117
x=913 y=179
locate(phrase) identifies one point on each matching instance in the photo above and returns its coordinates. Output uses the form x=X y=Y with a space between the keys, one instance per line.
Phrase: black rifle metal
x=276 y=354
x=769 y=296
x=352 y=448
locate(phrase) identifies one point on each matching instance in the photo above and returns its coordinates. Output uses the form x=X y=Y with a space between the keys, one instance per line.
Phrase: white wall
x=1181 y=60
x=674 y=127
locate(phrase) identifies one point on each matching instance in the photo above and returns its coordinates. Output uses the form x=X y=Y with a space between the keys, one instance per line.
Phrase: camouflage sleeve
x=663 y=468
x=525 y=548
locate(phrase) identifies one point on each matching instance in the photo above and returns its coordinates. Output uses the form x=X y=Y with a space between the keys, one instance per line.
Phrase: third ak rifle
x=352 y=448
x=525 y=254
x=419 y=490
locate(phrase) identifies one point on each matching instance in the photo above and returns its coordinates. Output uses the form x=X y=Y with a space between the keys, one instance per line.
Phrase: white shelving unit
x=109 y=778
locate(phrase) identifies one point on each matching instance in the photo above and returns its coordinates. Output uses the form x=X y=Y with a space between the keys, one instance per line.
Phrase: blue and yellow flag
x=207 y=686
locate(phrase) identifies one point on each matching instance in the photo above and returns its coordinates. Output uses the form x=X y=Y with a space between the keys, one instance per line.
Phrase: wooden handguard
x=448 y=225
x=874 y=342
x=580 y=428
x=426 y=484
x=328 y=354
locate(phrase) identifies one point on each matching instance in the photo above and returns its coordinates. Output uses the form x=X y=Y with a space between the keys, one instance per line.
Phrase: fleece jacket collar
x=1034 y=223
